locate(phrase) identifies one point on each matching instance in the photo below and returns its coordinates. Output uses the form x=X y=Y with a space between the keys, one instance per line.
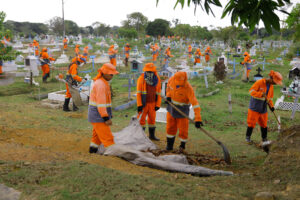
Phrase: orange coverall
x=257 y=111
x=168 y=54
x=65 y=41
x=86 y=52
x=148 y=96
x=1 y=63
x=190 y=49
x=99 y=107
x=156 y=49
x=126 y=50
x=77 y=50
x=154 y=55
x=112 y=55
x=74 y=73
x=207 y=54
x=45 y=67
x=36 y=47
x=182 y=95
x=247 y=62
x=197 y=56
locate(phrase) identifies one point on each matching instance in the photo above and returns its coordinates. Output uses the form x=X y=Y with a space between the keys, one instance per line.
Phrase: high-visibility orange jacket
x=182 y=95
x=257 y=102
x=156 y=49
x=36 y=47
x=85 y=52
x=112 y=52
x=100 y=101
x=190 y=49
x=207 y=54
x=73 y=72
x=153 y=49
x=77 y=50
x=45 y=65
x=141 y=95
x=247 y=59
x=126 y=51
x=168 y=53
x=65 y=41
x=1 y=63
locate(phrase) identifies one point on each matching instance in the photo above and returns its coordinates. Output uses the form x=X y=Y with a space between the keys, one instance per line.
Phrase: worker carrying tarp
x=45 y=61
x=148 y=97
x=72 y=78
x=198 y=55
x=181 y=94
x=247 y=64
x=36 y=47
x=168 y=54
x=112 y=53
x=126 y=51
x=190 y=51
x=207 y=53
x=261 y=94
x=100 y=111
x=65 y=42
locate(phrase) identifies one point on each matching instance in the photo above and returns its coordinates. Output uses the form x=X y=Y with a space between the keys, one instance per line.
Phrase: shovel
x=225 y=150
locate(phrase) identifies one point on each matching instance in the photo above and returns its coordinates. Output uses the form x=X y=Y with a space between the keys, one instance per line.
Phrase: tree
x=127 y=33
x=243 y=36
x=26 y=28
x=71 y=28
x=158 y=27
x=293 y=21
x=101 y=29
x=6 y=52
x=182 y=30
x=136 y=20
x=244 y=12
x=56 y=25
x=198 y=32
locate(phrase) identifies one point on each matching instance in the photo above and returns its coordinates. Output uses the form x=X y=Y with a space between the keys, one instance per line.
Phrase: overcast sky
x=111 y=12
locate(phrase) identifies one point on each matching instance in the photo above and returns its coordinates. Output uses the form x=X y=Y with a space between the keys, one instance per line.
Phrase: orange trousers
x=248 y=72
x=254 y=117
x=149 y=110
x=113 y=61
x=207 y=58
x=1 y=69
x=190 y=55
x=45 y=69
x=127 y=55
x=102 y=135
x=173 y=124
x=68 y=94
x=65 y=46
x=154 y=57
x=197 y=60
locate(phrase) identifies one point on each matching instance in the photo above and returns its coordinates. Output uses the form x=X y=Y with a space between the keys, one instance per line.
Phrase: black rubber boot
x=182 y=145
x=144 y=128
x=93 y=150
x=248 y=134
x=152 y=134
x=75 y=108
x=66 y=105
x=126 y=62
x=264 y=134
x=170 y=143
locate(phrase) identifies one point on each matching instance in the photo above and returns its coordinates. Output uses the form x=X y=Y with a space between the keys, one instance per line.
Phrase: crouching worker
x=261 y=95
x=100 y=111
x=148 y=97
x=73 y=78
x=181 y=94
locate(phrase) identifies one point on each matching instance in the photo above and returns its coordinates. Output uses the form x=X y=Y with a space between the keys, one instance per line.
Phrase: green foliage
x=243 y=36
x=293 y=21
x=202 y=33
x=71 y=28
x=127 y=33
x=136 y=20
x=158 y=27
x=182 y=30
x=101 y=29
x=26 y=28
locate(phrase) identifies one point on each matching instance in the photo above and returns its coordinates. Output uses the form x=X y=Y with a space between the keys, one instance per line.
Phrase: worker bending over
x=261 y=94
x=45 y=61
x=73 y=79
x=100 y=111
x=148 y=97
x=181 y=94
x=112 y=53
x=126 y=51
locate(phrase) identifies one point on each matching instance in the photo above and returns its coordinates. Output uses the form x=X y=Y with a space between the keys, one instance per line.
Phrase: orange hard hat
x=149 y=67
x=276 y=76
x=108 y=68
x=127 y=44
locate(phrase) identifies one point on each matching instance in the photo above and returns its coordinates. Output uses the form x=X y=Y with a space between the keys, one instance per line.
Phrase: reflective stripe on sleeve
x=99 y=105
x=179 y=103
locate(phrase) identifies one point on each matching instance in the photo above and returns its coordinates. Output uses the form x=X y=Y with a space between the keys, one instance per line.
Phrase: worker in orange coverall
x=45 y=61
x=65 y=42
x=86 y=52
x=261 y=94
x=247 y=63
x=190 y=51
x=36 y=47
x=112 y=53
x=1 y=64
x=126 y=51
x=100 y=111
x=148 y=97
x=168 y=54
x=154 y=54
x=181 y=94
x=198 y=55
x=77 y=50
x=156 y=49
x=207 y=53
x=73 y=78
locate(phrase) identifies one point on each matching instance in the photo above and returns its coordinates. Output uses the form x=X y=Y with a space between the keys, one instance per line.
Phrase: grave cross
x=258 y=70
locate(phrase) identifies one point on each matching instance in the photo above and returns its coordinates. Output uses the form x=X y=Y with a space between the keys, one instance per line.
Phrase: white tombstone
x=32 y=63
x=239 y=50
x=223 y=58
x=62 y=59
x=252 y=51
x=9 y=66
x=161 y=115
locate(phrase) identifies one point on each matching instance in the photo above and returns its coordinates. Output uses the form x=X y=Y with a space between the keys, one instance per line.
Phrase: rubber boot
x=45 y=78
x=144 y=128
x=264 y=133
x=182 y=145
x=170 y=143
x=126 y=62
x=66 y=105
x=152 y=134
x=75 y=108
x=248 y=134
x=93 y=150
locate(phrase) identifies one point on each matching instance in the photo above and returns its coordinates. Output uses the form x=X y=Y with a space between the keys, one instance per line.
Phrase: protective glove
x=105 y=118
x=168 y=100
x=272 y=109
x=198 y=124
x=140 y=108
x=157 y=108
